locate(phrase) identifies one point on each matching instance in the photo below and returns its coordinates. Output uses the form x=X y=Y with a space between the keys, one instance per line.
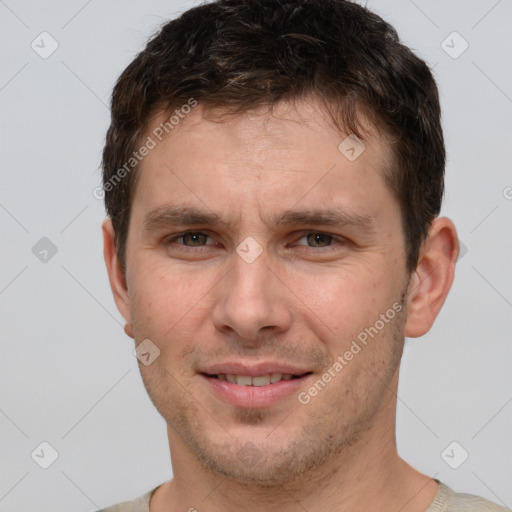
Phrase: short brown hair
x=241 y=54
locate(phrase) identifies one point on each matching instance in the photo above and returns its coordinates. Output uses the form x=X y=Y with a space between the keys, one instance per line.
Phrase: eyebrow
x=167 y=216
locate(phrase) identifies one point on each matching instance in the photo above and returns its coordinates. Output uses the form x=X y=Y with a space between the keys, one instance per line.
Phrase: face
x=256 y=248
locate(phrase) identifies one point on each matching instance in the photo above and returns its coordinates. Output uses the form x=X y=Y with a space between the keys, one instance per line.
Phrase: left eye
x=318 y=239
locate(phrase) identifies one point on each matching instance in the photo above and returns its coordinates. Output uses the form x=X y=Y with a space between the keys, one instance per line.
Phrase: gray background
x=67 y=371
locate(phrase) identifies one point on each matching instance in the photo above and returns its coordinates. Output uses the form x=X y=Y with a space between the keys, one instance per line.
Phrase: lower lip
x=254 y=396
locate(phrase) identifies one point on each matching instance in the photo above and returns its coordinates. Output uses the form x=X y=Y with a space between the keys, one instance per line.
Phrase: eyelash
x=305 y=234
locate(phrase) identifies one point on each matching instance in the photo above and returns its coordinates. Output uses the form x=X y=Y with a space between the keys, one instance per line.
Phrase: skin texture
x=303 y=301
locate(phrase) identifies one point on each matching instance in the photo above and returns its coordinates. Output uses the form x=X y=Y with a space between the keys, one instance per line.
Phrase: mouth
x=258 y=381
x=254 y=391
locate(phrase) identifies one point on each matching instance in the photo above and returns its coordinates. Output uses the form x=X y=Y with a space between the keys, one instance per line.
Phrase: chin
x=261 y=463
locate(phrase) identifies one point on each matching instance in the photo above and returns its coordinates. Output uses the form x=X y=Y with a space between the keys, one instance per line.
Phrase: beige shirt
x=445 y=500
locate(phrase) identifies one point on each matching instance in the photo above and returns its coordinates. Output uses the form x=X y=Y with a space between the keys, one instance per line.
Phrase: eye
x=191 y=239
x=318 y=239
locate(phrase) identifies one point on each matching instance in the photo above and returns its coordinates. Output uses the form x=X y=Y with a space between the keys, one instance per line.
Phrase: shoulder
x=448 y=500
x=140 y=504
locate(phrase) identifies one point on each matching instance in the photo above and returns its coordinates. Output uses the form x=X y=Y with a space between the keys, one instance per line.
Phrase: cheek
x=343 y=307
x=163 y=296
x=341 y=299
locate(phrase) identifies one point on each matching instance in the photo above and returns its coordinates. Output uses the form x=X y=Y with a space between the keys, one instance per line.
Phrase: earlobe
x=433 y=277
x=128 y=329
x=115 y=275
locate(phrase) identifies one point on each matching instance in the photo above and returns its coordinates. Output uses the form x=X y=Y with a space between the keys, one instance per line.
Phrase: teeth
x=243 y=380
x=261 y=380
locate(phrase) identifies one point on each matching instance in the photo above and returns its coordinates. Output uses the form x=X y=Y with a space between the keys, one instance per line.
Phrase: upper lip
x=253 y=370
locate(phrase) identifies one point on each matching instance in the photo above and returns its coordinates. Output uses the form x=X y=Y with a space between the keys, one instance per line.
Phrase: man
x=273 y=175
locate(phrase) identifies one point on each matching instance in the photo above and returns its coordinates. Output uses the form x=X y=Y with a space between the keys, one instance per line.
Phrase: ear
x=433 y=277
x=116 y=276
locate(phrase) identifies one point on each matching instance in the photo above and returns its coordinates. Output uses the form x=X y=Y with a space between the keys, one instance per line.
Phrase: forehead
x=279 y=124
x=211 y=157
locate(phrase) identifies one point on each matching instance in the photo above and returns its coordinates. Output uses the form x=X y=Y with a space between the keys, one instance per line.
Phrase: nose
x=251 y=302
